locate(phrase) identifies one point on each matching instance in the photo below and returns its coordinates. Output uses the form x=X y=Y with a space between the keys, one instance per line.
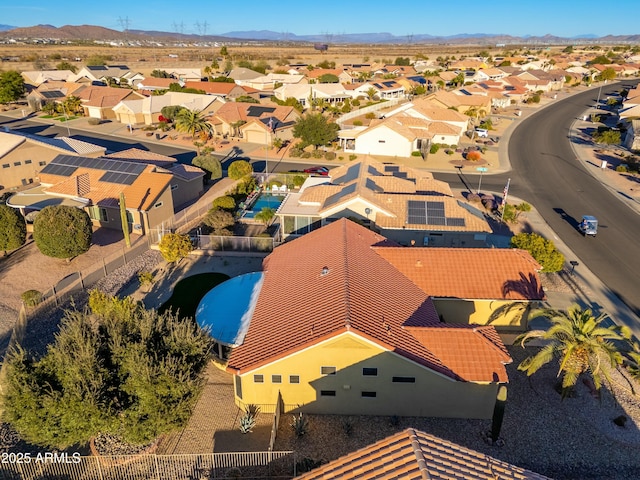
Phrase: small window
x=27 y=162
x=238 y=382
x=258 y=379
x=370 y=372
x=327 y=393
x=129 y=217
x=174 y=186
x=276 y=378
x=382 y=141
x=157 y=205
x=42 y=164
x=328 y=370
x=17 y=164
x=294 y=378
x=5 y=165
x=369 y=394
x=404 y=380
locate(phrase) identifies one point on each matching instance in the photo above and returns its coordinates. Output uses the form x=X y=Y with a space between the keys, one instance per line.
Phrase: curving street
x=547 y=173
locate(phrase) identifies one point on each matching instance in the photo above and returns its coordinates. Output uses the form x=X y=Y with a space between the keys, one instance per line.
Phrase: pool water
x=265 y=200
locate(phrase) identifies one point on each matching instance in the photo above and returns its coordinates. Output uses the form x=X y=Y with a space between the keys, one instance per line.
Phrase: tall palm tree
x=192 y=122
x=579 y=341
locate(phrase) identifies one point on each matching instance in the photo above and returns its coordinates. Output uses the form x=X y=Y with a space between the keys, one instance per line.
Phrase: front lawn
x=189 y=291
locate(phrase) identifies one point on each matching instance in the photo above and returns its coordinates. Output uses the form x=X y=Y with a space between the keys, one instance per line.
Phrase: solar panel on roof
x=391 y=168
x=62 y=170
x=257 y=111
x=352 y=173
x=52 y=94
x=118 y=177
x=430 y=213
x=336 y=197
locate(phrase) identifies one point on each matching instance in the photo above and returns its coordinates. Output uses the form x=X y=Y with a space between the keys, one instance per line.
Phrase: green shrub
x=416 y=153
x=329 y=155
x=305 y=155
x=541 y=249
x=317 y=154
x=61 y=231
x=239 y=169
x=295 y=152
x=226 y=202
x=352 y=157
x=434 y=148
x=622 y=168
x=174 y=246
x=370 y=116
x=357 y=123
x=299 y=424
x=31 y=298
x=13 y=228
x=146 y=278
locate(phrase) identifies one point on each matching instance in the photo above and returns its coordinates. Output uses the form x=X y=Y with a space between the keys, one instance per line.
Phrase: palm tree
x=265 y=215
x=192 y=122
x=579 y=341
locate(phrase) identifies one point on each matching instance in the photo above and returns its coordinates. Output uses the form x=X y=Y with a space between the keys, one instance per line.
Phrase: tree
x=579 y=341
x=61 y=231
x=160 y=74
x=315 y=129
x=11 y=86
x=117 y=369
x=226 y=202
x=170 y=112
x=192 y=122
x=328 y=78
x=266 y=215
x=221 y=221
x=67 y=66
x=210 y=164
x=403 y=61
x=13 y=229
x=607 y=136
x=541 y=249
x=174 y=247
x=239 y=169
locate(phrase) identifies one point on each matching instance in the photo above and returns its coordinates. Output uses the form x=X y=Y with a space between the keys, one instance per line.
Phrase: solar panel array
x=116 y=171
x=430 y=213
x=52 y=94
x=352 y=173
x=257 y=111
x=336 y=197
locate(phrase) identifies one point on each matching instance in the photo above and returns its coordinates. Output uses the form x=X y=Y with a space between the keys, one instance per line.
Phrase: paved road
x=547 y=174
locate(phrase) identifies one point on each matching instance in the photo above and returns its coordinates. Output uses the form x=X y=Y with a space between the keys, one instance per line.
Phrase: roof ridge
x=419 y=453
x=347 y=297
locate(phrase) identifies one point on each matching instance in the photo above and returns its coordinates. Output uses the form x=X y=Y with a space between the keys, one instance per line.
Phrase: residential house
x=100 y=73
x=98 y=102
x=468 y=104
x=383 y=89
x=367 y=340
x=38 y=77
x=240 y=74
x=390 y=199
x=423 y=108
x=316 y=73
x=147 y=110
x=416 y=455
x=468 y=64
x=52 y=92
x=152 y=84
x=226 y=91
x=23 y=155
x=331 y=93
x=255 y=123
x=271 y=81
x=632 y=137
x=185 y=75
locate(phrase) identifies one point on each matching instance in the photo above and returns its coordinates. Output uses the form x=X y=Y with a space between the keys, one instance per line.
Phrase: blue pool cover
x=226 y=310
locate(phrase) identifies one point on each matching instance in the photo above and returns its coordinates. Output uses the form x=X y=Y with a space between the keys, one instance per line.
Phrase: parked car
x=482 y=132
x=323 y=171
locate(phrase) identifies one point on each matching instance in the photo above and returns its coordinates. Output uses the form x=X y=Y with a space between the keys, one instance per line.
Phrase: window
x=294 y=378
x=404 y=380
x=129 y=217
x=42 y=164
x=369 y=394
x=327 y=393
x=258 y=379
x=238 y=381
x=17 y=164
x=27 y=162
x=157 y=205
x=328 y=370
x=370 y=372
x=382 y=141
x=276 y=378
x=174 y=186
x=98 y=213
x=5 y=165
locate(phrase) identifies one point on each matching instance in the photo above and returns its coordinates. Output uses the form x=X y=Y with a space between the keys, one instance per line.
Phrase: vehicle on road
x=589 y=225
x=322 y=171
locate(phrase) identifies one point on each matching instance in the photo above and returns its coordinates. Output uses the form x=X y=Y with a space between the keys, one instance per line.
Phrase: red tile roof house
x=255 y=123
x=336 y=327
x=98 y=102
x=416 y=455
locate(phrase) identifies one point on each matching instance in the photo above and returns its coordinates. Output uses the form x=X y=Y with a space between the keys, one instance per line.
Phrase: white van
x=482 y=132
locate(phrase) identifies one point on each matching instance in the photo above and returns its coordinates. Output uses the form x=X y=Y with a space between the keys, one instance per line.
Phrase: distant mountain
x=91 y=32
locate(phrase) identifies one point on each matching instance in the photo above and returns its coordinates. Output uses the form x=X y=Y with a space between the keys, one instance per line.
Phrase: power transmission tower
x=124 y=23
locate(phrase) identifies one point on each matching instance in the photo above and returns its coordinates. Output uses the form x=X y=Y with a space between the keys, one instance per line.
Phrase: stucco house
x=384 y=89
x=98 y=102
x=331 y=93
x=255 y=123
x=38 y=77
x=100 y=73
x=227 y=91
x=632 y=137
x=366 y=340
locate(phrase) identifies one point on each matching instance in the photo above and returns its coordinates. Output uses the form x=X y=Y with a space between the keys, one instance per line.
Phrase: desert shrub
x=329 y=155
x=295 y=152
x=370 y=116
x=352 y=157
x=434 y=148
x=541 y=249
x=474 y=156
x=305 y=155
x=94 y=121
x=474 y=198
x=299 y=424
x=221 y=221
x=239 y=169
x=247 y=422
x=357 y=123
x=146 y=278
x=416 y=153
x=622 y=168
x=298 y=180
x=226 y=202
x=61 y=231
x=31 y=298
x=174 y=246
x=317 y=154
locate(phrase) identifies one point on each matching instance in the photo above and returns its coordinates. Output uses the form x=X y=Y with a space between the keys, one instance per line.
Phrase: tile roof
x=63 y=144
x=416 y=455
x=471 y=273
x=140 y=155
x=347 y=286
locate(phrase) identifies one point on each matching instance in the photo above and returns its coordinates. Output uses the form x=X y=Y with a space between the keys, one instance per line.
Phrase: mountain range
x=92 y=32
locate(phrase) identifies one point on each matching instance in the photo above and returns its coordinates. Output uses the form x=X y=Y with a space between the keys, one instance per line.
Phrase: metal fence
x=150 y=467
x=234 y=244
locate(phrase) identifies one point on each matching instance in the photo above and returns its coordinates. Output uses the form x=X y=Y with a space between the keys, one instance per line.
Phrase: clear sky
x=565 y=18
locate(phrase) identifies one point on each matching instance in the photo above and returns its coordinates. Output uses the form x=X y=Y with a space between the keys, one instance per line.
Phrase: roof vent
x=324 y=271
x=419 y=263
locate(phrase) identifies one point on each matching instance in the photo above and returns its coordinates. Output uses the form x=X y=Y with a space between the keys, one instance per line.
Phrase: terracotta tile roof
x=472 y=273
x=104 y=96
x=416 y=455
x=347 y=286
x=186 y=172
x=145 y=156
x=234 y=111
x=220 y=88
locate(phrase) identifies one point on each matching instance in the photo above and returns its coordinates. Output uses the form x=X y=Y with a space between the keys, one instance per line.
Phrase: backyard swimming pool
x=264 y=200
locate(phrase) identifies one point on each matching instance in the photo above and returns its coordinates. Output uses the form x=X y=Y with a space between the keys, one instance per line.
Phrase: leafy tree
x=315 y=129
x=67 y=66
x=13 y=229
x=326 y=64
x=607 y=74
x=568 y=49
x=223 y=79
x=458 y=79
x=11 y=86
x=160 y=74
x=226 y=202
x=223 y=51
x=541 y=249
x=192 y=122
x=580 y=342
x=221 y=221
x=266 y=215
x=239 y=169
x=505 y=63
x=96 y=61
x=328 y=78
x=61 y=231
x=600 y=60
x=174 y=247
x=170 y=112
x=402 y=61
x=247 y=99
x=210 y=164
x=119 y=369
